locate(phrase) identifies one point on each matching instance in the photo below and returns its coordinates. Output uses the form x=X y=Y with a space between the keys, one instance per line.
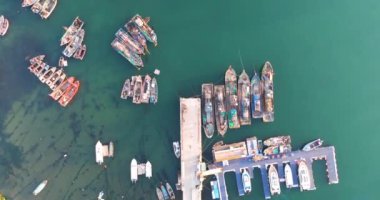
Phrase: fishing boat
x=153 y=91
x=267 y=78
x=99 y=153
x=62 y=62
x=288 y=176
x=246 y=181
x=137 y=90
x=131 y=56
x=126 y=88
x=60 y=90
x=131 y=91
x=47 y=74
x=304 y=176
x=244 y=99
x=58 y=82
x=256 y=96
x=133 y=170
x=145 y=29
x=40 y=187
x=47 y=8
x=148 y=169
x=74 y=45
x=81 y=52
x=313 y=145
x=27 y=3
x=278 y=140
x=231 y=98
x=45 y=68
x=274 y=181
x=4 y=25
x=277 y=149
x=111 y=149
x=170 y=191
x=136 y=34
x=214 y=190
x=220 y=109
x=145 y=95
x=127 y=40
x=73 y=30
x=164 y=192
x=160 y=196
x=208 y=119
x=53 y=78
x=37 y=59
x=176 y=149
x=68 y=96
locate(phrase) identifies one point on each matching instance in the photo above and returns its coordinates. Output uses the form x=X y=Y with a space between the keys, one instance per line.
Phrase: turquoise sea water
x=325 y=56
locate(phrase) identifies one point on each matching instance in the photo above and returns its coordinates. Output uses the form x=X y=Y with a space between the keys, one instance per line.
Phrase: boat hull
x=244 y=93
x=274 y=180
x=231 y=98
x=267 y=75
x=220 y=109
x=256 y=97
x=208 y=120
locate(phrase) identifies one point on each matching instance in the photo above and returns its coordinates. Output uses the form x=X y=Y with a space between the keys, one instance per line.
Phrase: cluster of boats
x=277 y=145
x=42 y=7
x=4 y=25
x=235 y=103
x=140 y=169
x=102 y=151
x=131 y=44
x=63 y=88
x=165 y=193
x=73 y=39
x=141 y=91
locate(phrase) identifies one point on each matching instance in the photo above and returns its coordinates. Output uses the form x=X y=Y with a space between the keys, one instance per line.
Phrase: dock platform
x=191 y=148
x=326 y=153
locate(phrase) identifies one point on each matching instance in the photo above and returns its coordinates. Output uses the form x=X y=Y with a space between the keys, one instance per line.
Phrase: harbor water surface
x=325 y=57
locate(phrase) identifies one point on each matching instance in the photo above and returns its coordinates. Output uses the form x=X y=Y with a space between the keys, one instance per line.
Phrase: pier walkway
x=326 y=153
x=191 y=148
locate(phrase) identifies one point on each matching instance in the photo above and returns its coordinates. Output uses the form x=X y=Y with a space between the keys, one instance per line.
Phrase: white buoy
x=157 y=72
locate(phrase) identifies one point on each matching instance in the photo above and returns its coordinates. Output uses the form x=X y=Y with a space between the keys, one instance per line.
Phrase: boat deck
x=191 y=148
x=326 y=153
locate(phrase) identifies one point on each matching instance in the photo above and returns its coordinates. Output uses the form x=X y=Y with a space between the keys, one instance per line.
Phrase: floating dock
x=191 y=148
x=326 y=153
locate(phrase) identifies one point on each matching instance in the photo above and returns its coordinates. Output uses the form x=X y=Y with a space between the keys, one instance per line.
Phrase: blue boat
x=214 y=190
x=256 y=96
x=164 y=192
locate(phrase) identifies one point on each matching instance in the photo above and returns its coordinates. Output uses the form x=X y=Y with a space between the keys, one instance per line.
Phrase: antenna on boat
x=241 y=60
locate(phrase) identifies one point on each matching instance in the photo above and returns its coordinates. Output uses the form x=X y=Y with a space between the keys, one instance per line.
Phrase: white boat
x=288 y=176
x=100 y=196
x=111 y=149
x=304 y=176
x=26 y=3
x=160 y=196
x=170 y=191
x=53 y=78
x=177 y=149
x=4 y=25
x=47 y=75
x=246 y=181
x=313 y=145
x=40 y=187
x=148 y=170
x=133 y=170
x=274 y=181
x=99 y=152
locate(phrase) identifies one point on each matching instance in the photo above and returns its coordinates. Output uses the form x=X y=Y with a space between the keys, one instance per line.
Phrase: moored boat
x=145 y=29
x=145 y=94
x=99 y=153
x=277 y=149
x=53 y=78
x=47 y=8
x=160 y=196
x=164 y=192
x=73 y=30
x=246 y=181
x=4 y=25
x=69 y=94
x=131 y=56
x=278 y=140
x=170 y=191
x=267 y=78
x=131 y=91
x=125 y=90
x=58 y=82
x=127 y=40
x=80 y=52
x=244 y=99
x=137 y=90
x=176 y=149
x=231 y=98
x=58 y=91
x=148 y=169
x=288 y=176
x=304 y=176
x=136 y=34
x=37 y=59
x=274 y=181
x=133 y=170
x=256 y=96
x=27 y=3
x=153 y=91
x=62 y=62
x=220 y=109
x=313 y=145
x=208 y=119
x=47 y=74
x=74 y=45
x=111 y=149
x=41 y=71
x=40 y=187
